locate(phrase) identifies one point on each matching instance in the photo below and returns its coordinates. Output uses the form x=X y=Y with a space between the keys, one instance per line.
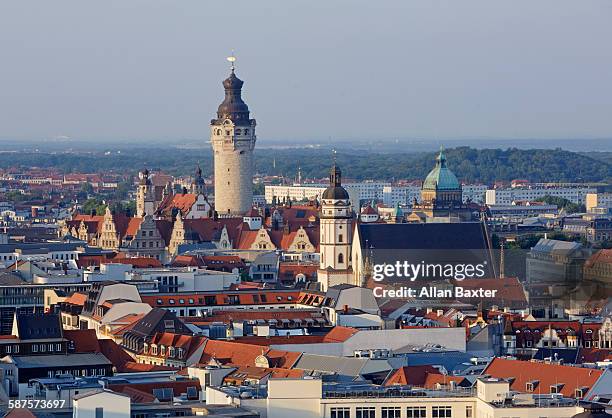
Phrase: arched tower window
x=340 y=258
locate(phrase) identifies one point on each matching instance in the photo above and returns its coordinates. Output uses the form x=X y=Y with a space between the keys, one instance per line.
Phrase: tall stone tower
x=336 y=234
x=233 y=140
x=145 y=195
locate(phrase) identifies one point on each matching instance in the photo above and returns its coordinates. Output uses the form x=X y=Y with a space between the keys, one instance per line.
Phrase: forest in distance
x=471 y=165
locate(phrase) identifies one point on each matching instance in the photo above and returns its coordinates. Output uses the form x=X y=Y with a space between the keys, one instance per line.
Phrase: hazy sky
x=138 y=69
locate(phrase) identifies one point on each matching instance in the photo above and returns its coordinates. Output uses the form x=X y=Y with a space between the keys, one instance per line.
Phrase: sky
x=135 y=70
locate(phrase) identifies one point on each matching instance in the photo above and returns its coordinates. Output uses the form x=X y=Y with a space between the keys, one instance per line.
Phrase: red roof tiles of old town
x=565 y=379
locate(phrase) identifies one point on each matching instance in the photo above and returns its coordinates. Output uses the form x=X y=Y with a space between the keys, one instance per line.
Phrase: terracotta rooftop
x=543 y=376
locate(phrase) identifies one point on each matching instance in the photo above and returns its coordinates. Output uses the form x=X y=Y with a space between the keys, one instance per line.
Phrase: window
x=340 y=258
x=365 y=412
x=556 y=388
x=469 y=411
x=99 y=412
x=340 y=413
x=416 y=412
x=340 y=238
x=391 y=412
x=441 y=411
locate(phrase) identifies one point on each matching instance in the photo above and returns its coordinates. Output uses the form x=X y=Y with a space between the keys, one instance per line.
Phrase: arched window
x=340 y=258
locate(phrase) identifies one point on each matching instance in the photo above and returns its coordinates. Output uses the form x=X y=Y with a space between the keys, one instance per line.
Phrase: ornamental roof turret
x=233 y=107
x=335 y=191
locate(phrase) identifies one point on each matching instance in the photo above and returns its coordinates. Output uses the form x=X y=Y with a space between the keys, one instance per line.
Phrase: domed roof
x=232 y=106
x=335 y=191
x=441 y=178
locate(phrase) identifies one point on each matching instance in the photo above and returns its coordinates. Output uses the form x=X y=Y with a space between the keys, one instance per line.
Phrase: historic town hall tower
x=233 y=141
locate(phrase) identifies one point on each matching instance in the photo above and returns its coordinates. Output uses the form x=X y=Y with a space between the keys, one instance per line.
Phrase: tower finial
x=232 y=58
x=334 y=155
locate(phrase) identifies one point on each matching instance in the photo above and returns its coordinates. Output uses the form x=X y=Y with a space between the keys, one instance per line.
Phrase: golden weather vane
x=232 y=58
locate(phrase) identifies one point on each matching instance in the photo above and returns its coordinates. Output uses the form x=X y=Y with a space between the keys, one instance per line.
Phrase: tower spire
x=232 y=59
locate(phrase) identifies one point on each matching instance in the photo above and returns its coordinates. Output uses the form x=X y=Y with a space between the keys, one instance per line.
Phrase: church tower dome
x=335 y=189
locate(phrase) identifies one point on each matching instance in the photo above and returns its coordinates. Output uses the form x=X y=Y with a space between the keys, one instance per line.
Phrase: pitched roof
x=339 y=334
x=180 y=201
x=239 y=354
x=76 y=299
x=410 y=375
x=37 y=325
x=546 y=375
x=115 y=354
x=85 y=340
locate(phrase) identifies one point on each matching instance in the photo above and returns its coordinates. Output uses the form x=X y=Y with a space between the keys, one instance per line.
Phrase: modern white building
x=389 y=194
x=574 y=193
x=311 y=398
x=185 y=279
x=599 y=202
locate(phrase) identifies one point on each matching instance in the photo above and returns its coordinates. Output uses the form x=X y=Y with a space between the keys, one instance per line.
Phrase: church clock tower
x=233 y=140
x=145 y=199
x=336 y=219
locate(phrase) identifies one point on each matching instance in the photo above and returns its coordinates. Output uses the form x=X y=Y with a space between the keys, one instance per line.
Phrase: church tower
x=233 y=140
x=145 y=196
x=197 y=185
x=336 y=231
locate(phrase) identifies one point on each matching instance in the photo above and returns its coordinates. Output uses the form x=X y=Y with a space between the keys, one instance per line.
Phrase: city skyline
x=413 y=71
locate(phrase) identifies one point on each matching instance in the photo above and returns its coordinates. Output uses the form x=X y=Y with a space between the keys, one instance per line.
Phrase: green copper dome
x=441 y=178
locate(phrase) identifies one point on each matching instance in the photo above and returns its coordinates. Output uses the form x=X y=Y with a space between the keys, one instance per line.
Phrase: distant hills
x=469 y=164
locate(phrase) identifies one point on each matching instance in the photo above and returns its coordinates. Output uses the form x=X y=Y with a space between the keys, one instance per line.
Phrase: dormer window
x=556 y=388
x=163 y=350
x=171 y=351
x=154 y=349
x=531 y=386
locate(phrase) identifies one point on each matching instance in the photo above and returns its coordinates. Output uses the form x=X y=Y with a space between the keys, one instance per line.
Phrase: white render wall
x=114 y=406
x=390 y=339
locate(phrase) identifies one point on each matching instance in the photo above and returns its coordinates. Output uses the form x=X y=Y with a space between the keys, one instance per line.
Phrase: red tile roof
x=115 y=354
x=546 y=375
x=510 y=292
x=85 y=340
x=410 y=375
x=133 y=367
x=339 y=334
x=179 y=386
x=138 y=396
x=138 y=262
x=76 y=299
x=239 y=354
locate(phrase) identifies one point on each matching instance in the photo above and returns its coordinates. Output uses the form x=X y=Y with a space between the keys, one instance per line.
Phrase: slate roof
x=345 y=366
x=60 y=360
x=464 y=242
x=38 y=326
x=427 y=236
